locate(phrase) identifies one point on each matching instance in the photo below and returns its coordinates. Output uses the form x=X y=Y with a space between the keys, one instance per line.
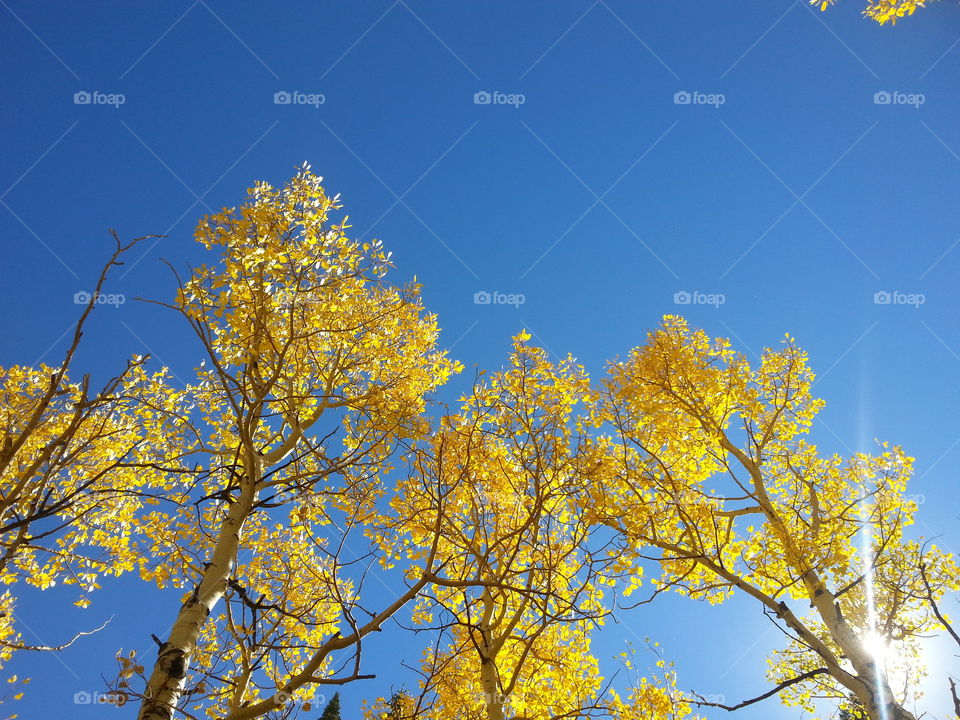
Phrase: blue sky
x=787 y=188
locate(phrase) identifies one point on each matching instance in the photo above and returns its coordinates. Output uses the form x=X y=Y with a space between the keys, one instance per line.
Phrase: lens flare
x=873 y=641
x=878 y=646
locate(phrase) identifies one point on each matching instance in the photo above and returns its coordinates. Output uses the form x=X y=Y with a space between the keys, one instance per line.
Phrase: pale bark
x=166 y=683
x=875 y=692
x=872 y=687
x=489 y=677
x=491 y=690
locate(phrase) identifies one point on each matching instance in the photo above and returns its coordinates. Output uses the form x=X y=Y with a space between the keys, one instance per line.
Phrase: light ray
x=873 y=641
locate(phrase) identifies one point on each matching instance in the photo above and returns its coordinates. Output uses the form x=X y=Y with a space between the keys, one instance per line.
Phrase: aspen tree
x=315 y=369
x=708 y=466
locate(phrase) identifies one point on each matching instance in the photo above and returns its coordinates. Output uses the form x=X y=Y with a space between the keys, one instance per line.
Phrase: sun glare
x=878 y=646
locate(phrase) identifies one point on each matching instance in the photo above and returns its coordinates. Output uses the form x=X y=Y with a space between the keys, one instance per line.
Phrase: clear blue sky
x=599 y=198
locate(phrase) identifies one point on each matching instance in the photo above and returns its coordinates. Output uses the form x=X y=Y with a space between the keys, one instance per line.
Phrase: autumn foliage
x=310 y=450
x=882 y=11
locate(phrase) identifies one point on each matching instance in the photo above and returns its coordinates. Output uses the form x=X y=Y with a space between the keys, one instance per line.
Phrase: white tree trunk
x=876 y=694
x=873 y=689
x=489 y=677
x=173 y=659
x=491 y=690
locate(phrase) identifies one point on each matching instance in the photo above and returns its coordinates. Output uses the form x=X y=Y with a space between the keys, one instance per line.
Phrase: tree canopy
x=311 y=446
